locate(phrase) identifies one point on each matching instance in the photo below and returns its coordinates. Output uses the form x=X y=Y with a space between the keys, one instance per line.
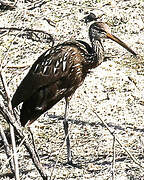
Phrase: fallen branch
x=113 y=161
x=33 y=34
x=37 y=5
x=6 y=147
x=116 y=139
x=10 y=119
x=111 y=132
x=15 y=158
x=7 y=5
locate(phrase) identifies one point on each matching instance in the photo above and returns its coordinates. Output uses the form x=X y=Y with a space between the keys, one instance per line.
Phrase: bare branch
x=7 y=5
x=10 y=119
x=33 y=34
x=113 y=161
x=7 y=147
x=33 y=142
x=37 y=5
x=15 y=158
x=131 y=156
x=116 y=139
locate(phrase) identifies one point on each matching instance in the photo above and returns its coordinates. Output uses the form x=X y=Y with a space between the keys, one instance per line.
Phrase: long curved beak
x=114 y=38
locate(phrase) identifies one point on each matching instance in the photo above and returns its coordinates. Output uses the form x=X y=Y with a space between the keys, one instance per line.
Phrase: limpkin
x=58 y=72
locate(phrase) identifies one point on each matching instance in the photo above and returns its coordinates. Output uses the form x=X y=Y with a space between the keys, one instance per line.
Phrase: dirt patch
x=115 y=89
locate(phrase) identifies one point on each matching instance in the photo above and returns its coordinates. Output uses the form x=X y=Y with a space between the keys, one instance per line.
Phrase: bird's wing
x=51 y=66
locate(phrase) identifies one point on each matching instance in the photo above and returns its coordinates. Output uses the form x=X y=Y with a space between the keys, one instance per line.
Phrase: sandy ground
x=115 y=90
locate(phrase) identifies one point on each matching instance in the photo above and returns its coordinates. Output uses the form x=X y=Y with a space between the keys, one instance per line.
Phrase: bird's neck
x=97 y=55
x=98 y=50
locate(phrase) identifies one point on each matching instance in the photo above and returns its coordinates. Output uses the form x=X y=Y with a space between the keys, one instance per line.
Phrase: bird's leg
x=69 y=154
x=33 y=142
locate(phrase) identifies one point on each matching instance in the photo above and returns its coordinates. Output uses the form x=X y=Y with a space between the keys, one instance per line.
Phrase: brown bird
x=58 y=72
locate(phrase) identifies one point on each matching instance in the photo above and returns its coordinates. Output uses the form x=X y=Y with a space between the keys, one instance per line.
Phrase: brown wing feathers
x=56 y=74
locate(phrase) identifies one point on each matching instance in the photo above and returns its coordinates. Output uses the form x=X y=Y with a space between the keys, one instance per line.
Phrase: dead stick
x=7 y=147
x=10 y=119
x=33 y=142
x=131 y=156
x=27 y=29
x=93 y=109
x=9 y=159
x=15 y=158
x=113 y=161
x=8 y=4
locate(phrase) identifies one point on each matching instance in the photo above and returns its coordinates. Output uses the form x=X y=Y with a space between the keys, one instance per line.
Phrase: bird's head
x=100 y=30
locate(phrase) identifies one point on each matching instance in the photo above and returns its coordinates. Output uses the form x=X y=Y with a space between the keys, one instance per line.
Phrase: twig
x=15 y=155
x=10 y=119
x=131 y=156
x=33 y=142
x=6 y=146
x=37 y=4
x=113 y=161
x=9 y=159
x=7 y=5
x=31 y=34
x=2 y=65
x=50 y=22
x=116 y=139
x=15 y=159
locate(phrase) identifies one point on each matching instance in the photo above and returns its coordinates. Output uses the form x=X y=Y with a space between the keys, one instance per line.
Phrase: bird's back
x=56 y=74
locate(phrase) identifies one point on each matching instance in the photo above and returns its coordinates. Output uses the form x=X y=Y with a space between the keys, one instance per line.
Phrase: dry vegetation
x=114 y=90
